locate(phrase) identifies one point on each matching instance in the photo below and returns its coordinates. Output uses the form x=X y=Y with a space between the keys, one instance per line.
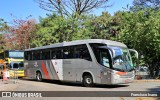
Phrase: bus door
x=104 y=57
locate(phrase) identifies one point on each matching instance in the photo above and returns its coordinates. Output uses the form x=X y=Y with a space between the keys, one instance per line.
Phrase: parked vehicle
x=142 y=72
x=14 y=62
x=88 y=61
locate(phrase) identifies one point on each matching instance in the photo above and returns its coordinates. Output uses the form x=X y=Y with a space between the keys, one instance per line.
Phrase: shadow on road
x=76 y=84
x=156 y=89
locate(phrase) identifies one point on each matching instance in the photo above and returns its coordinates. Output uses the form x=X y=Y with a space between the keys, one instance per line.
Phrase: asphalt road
x=50 y=85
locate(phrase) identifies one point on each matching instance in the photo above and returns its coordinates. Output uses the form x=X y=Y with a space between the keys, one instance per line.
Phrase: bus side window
x=59 y=54
x=25 y=55
x=76 y=53
x=15 y=65
x=45 y=54
x=85 y=54
x=56 y=53
x=82 y=52
x=29 y=56
x=34 y=55
x=53 y=54
x=37 y=55
x=68 y=52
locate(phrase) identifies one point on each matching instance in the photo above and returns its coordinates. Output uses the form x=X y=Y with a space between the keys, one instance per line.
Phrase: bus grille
x=129 y=75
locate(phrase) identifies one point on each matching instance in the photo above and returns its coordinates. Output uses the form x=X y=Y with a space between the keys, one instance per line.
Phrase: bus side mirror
x=134 y=51
x=135 y=61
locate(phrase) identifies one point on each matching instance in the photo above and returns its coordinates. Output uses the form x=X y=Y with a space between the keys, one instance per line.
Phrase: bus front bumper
x=117 y=79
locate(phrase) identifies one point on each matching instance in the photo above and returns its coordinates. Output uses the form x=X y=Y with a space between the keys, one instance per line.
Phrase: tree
x=142 y=4
x=104 y=26
x=3 y=29
x=98 y=26
x=3 y=25
x=54 y=29
x=69 y=7
x=20 y=35
x=1 y=42
x=141 y=31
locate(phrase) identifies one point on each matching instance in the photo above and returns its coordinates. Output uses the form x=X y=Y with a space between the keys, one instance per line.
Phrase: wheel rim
x=38 y=76
x=88 y=80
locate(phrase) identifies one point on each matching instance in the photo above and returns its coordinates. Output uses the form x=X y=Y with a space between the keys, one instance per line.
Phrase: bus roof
x=12 y=51
x=15 y=50
x=77 y=42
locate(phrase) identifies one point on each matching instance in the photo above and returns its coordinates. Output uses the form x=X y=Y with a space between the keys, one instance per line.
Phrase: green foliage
x=141 y=31
x=55 y=28
x=3 y=29
x=99 y=26
x=3 y=26
x=143 y=4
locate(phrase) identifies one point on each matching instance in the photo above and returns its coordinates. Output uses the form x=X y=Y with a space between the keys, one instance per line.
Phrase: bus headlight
x=121 y=73
x=116 y=76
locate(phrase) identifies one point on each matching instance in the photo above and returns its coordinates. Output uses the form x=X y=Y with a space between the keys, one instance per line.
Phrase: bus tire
x=87 y=81
x=39 y=76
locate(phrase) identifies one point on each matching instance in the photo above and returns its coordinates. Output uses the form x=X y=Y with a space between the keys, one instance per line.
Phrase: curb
x=146 y=80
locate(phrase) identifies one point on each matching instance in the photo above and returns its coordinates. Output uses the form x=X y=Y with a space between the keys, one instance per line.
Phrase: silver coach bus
x=91 y=61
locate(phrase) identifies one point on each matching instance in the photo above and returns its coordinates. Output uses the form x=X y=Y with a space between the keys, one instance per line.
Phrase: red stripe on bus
x=45 y=70
x=55 y=70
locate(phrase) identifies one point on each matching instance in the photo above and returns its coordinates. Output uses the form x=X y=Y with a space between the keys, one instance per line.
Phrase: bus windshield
x=16 y=65
x=16 y=54
x=122 y=60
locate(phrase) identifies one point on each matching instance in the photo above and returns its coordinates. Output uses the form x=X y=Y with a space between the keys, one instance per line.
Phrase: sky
x=21 y=9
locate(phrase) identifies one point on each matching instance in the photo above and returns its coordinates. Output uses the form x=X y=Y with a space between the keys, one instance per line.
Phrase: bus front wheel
x=88 y=81
x=39 y=76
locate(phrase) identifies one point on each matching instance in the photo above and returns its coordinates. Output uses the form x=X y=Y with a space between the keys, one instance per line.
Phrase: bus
x=14 y=62
x=91 y=61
